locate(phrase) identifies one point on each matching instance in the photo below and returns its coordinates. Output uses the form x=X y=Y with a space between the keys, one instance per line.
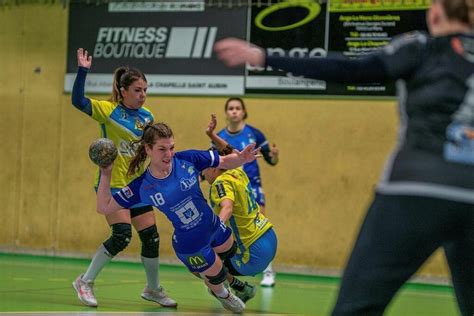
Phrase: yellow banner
x=377 y=5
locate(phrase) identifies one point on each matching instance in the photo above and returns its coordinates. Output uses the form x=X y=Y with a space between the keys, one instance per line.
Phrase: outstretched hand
x=249 y=153
x=83 y=58
x=236 y=52
x=212 y=125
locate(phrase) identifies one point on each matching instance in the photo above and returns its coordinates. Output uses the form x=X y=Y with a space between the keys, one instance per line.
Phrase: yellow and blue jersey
x=247 y=223
x=121 y=125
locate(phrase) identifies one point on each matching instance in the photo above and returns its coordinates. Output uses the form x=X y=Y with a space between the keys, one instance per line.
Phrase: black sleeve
x=397 y=60
x=404 y=54
x=266 y=155
x=367 y=69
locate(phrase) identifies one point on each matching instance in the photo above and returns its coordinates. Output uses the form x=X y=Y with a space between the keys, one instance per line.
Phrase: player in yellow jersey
x=121 y=119
x=232 y=199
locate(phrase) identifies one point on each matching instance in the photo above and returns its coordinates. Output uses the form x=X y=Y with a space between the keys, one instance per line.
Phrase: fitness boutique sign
x=171 y=42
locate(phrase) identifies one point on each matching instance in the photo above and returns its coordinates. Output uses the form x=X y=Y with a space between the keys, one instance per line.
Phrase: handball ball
x=103 y=152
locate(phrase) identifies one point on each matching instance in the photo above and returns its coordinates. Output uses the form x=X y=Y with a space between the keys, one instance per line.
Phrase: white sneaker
x=268 y=279
x=84 y=290
x=158 y=296
x=231 y=302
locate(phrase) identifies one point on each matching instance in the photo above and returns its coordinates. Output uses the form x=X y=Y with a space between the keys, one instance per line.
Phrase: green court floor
x=43 y=285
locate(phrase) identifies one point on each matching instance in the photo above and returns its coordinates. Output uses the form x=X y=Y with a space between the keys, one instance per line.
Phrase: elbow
x=102 y=209
x=76 y=101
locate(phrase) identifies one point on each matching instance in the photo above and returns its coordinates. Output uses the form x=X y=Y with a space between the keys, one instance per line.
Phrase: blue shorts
x=194 y=248
x=262 y=252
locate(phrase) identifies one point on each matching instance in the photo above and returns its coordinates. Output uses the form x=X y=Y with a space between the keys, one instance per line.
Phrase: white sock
x=100 y=259
x=269 y=269
x=224 y=293
x=151 y=269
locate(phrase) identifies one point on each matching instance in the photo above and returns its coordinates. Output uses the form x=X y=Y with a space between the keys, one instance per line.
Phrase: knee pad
x=229 y=253
x=219 y=278
x=150 y=242
x=121 y=236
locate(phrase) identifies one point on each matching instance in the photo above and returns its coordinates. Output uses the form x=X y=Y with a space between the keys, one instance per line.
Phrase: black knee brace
x=150 y=242
x=121 y=236
x=229 y=253
x=219 y=278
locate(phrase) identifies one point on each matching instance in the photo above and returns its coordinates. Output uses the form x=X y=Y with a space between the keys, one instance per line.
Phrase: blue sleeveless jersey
x=248 y=135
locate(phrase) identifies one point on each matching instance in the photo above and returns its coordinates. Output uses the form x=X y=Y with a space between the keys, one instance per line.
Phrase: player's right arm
x=84 y=62
x=125 y=198
x=105 y=203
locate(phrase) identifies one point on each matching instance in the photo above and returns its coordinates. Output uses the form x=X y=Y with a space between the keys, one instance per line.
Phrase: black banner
x=314 y=28
x=358 y=32
x=171 y=42
x=286 y=29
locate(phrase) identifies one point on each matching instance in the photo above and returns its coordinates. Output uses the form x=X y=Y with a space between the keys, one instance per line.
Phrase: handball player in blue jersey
x=170 y=183
x=239 y=134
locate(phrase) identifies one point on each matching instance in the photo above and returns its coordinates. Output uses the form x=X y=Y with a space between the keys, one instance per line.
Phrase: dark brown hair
x=459 y=10
x=241 y=102
x=123 y=78
x=151 y=133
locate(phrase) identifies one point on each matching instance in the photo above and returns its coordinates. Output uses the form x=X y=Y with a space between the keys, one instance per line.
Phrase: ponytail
x=116 y=93
x=123 y=78
x=138 y=159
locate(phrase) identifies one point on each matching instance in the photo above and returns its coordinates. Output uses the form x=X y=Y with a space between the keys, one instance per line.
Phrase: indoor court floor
x=42 y=286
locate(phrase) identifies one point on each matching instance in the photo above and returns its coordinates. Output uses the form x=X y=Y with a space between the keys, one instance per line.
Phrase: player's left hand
x=212 y=125
x=249 y=153
x=274 y=152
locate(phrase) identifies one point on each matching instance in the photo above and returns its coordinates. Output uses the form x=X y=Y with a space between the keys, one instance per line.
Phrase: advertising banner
x=171 y=42
x=359 y=27
x=288 y=28
x=314 y=28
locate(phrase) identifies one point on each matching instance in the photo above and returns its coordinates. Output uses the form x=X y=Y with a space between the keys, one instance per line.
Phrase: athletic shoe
x=231 y=302
x=268 y=279
x=247 y=293
x=158 y=296
x=84 y=291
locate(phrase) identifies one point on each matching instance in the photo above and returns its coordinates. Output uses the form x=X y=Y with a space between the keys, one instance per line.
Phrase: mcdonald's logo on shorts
x=197 y=261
